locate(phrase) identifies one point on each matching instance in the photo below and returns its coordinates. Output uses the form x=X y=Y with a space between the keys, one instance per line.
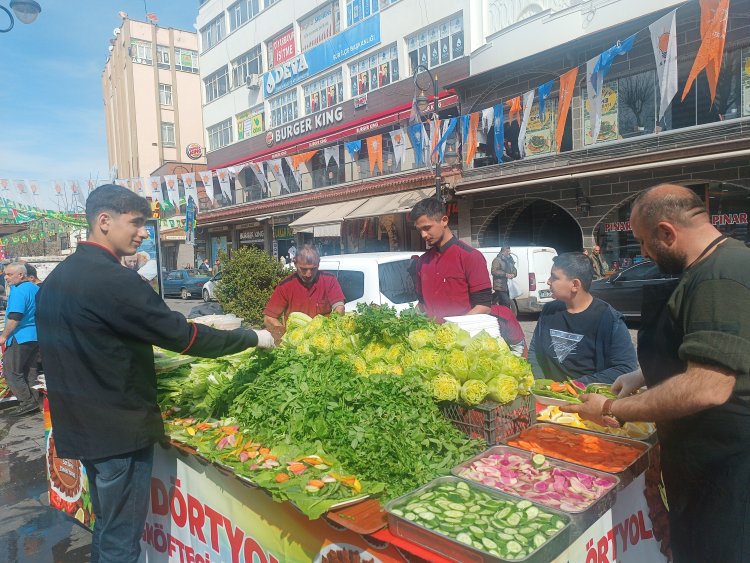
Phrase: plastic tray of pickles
x=466 y=523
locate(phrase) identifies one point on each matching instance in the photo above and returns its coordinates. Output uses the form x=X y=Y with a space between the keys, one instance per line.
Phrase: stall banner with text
x=199 y=514
x=622 y=534
x=67 y=483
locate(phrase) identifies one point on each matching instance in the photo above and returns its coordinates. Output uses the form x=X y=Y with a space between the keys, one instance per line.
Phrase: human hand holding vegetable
x=628 y=383
x=265 y=339
x=590 y=408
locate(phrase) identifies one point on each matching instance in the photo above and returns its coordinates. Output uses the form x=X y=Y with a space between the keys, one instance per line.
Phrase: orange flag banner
x=515 y=109
x=375 y=152
x=714 y=17
x=567 y=86
x=302 y=158
x=470 y=143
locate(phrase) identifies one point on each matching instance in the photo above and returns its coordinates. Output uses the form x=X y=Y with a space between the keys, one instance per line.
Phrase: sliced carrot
x=281 y=478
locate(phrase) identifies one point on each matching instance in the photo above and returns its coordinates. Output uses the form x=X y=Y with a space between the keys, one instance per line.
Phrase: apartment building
x=151 y=90
x=303 y=103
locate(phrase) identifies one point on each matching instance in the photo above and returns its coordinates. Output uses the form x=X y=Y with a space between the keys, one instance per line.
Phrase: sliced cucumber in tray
x=502 y=526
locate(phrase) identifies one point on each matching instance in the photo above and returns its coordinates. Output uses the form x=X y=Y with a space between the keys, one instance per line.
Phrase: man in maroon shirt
x=308 y=290
x=452 y=277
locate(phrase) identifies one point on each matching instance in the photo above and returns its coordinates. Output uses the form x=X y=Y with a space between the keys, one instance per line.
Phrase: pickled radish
x=538 y=480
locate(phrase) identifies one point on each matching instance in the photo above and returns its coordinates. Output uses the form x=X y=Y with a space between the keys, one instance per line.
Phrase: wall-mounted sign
x=716 y=220
x=249 y=124
x=252 y=236
x=360 y=101
x=283 y=47
x=309 y=124
x=194 y=151
x=318 y=27
x=282 y=232
x=341 y=47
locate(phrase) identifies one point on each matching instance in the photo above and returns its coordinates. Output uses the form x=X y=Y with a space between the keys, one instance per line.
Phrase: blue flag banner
x=603 y=66
x=465 y=127
x=544 y=91
x=416 y=136
x=498 y=125
x=353 y=146
x=440 y=147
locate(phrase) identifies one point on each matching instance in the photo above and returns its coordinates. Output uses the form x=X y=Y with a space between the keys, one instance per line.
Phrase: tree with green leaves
x=247 y=281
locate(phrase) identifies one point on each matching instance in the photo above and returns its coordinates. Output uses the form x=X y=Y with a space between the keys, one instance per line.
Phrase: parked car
x=529 y=290
x=209 y=288
x=383 y=278
x=184 y=283
x=624 y=290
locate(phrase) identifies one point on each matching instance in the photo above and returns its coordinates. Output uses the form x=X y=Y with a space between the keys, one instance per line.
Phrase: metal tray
x=650 y=439
x=626 y=476
x=457 y=551
x=597 y=507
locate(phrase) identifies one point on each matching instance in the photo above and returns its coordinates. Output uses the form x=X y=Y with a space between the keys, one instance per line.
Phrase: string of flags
x=428 y=140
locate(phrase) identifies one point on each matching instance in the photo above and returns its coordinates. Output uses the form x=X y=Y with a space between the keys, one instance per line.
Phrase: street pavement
x=31 y=531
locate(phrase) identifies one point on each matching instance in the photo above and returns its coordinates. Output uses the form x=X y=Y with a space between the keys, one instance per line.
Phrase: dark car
x=624 y=290
x=184 y=283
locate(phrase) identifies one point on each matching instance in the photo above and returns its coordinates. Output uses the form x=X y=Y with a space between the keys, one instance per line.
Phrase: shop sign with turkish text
x=283 y=47
x=341 y=47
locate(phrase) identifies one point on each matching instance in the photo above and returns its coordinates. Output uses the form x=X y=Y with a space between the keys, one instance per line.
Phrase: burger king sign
x=194 y=151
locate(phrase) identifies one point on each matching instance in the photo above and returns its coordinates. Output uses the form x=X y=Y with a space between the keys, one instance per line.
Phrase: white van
x=529 y=290
x=383 y=278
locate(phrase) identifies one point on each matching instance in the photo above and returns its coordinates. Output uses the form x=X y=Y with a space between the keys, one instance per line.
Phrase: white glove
x=265 y=339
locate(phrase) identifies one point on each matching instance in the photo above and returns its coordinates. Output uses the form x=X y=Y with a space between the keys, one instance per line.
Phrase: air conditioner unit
x=253 y=81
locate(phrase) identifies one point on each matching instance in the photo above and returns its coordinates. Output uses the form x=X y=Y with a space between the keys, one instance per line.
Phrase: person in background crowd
x=96 y=336
x=579 y=336
x=19 y=337
x=308 y=291
x=503 y=269
x=31 y=275
x=694 y=353
x=204 y=265
x=598 y=263
x=217 y=267
x=292 y=253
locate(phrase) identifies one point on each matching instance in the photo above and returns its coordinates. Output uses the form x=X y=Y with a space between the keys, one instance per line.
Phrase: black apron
x=705 y=457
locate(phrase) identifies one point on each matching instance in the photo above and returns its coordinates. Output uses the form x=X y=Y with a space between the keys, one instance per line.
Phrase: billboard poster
x=147 y=261
x=609 y=130
x=540 y=132
x=341 y=47
x=249 y=124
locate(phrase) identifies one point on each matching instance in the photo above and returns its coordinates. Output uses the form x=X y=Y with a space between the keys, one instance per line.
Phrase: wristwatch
x=609 y=417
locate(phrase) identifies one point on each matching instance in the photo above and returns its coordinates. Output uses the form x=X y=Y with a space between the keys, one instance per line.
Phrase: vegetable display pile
x=359 y=391
x=503 y=528
x=583 y=449
x=536 y=478
x=455 y=366
x=635 y=430
x=569 y=391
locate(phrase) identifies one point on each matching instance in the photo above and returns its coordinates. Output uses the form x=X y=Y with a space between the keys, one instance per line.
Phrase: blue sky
x=51 y=111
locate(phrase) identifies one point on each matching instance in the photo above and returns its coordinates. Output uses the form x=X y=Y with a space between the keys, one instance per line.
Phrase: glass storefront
x=728 y=205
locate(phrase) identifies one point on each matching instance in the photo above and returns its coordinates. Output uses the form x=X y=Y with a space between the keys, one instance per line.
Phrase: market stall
x=364 y=438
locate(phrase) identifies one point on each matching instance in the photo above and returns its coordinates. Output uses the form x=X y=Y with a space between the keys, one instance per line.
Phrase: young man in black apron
x=694 y=352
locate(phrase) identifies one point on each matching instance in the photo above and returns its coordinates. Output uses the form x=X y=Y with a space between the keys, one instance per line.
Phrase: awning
x=326 y=218
x=267 y=216
x=391 y=203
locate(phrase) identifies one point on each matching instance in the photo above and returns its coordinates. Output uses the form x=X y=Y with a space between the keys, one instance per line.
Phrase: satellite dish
x=123 y=15
x=116 y=31
x=110 y=48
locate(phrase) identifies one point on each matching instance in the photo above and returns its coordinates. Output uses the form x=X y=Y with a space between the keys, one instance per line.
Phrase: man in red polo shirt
x=308 y=290
x=452 y=277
